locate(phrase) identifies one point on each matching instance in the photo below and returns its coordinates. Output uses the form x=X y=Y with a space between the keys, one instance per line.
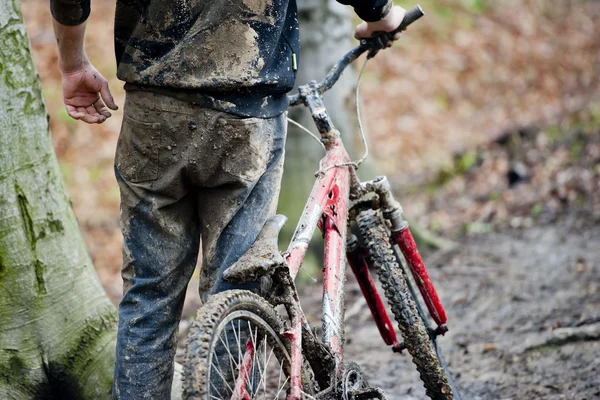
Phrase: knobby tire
x=394 y=282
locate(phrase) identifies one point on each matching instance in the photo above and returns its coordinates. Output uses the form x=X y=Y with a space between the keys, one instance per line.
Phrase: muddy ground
x=524 y=317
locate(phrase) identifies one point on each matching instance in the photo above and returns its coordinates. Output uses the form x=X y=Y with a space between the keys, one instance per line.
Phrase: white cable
x=307 y=131
x=363 y=135
x=360 y=125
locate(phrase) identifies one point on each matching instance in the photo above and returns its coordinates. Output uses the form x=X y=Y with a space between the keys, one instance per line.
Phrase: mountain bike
x=246 y=346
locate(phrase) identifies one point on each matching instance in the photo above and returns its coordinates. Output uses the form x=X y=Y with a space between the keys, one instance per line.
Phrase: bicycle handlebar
x=411 y=16
x=372 y=45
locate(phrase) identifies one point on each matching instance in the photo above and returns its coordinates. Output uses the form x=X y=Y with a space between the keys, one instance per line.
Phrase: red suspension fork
x=403 y=238
x=405 y=241
x=360 y=267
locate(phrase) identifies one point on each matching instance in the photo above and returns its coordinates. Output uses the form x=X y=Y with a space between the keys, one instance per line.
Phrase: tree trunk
x=57 y=327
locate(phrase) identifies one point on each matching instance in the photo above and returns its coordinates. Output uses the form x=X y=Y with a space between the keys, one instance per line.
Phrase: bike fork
x=360 y=267
x=401 y=236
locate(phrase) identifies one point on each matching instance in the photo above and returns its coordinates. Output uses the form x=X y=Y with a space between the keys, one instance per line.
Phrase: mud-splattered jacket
x=237 y=56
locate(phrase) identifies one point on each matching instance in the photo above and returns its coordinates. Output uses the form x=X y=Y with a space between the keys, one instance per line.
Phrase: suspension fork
x=402 y=237
x=360 y=267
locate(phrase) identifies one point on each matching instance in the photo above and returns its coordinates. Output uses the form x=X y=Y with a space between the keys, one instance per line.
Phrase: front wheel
x=412 y=327
x=236 y=349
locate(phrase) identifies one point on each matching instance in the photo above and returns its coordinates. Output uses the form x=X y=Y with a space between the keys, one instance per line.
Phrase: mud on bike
x=240 y=347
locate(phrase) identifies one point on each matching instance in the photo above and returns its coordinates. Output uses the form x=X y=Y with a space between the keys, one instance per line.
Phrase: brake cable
x=363 y=135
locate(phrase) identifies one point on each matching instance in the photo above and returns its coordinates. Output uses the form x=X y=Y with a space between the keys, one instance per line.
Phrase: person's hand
x=86 y=94
x=387 y=24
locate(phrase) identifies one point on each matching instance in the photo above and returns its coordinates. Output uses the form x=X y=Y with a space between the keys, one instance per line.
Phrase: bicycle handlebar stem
x=313 y=101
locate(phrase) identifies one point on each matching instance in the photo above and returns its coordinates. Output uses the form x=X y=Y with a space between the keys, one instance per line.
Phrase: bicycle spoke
x=263 y=378
x=252 y=370
x=238 y=339
x=221 y=375
x=254 y=363
x=217 y=389
x=280 y=388
x=231 y=361
x=260 y=371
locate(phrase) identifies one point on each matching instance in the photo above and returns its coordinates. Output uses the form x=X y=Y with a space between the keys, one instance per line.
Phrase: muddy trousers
x=185 y=173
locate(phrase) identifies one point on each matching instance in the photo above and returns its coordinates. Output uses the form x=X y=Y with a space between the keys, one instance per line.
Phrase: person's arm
x=379 y=16
x=85 y=91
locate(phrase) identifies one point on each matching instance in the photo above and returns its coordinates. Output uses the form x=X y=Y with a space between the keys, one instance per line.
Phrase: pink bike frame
x=327 y=208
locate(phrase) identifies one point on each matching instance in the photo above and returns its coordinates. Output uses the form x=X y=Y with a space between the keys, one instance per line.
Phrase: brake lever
x=381 y=39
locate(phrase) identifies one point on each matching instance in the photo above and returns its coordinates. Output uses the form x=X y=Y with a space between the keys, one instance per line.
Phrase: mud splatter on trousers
x=184 y=172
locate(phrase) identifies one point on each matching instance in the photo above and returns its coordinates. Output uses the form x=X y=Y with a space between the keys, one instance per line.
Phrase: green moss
x=40 y=281
x=478 y=227
x=55 y=225
x=32 y=103
x=466 y=161
x=475 y=6
x=435 y=226
x=65 y=171
x=554 y=133
x=461 y=164
x=26 y=217
x=38 y=266
x=95 y=173
x=442 y=101
x=64 y=117
x=93 y=330
x=494 y=196
x=16 y=366
x=64 y=373
x=536 y=210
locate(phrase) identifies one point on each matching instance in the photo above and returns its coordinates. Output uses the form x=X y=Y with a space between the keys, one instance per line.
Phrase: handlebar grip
x=411 y=16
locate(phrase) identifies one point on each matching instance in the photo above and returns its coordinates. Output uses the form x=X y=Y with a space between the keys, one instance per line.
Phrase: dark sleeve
x=70 y=12
x=369 y=10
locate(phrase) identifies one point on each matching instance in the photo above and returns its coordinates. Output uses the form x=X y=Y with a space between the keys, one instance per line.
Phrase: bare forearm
x=71 y=54
x=85 y=91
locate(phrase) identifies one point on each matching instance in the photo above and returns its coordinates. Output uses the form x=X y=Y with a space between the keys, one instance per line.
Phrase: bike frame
x=327 y=208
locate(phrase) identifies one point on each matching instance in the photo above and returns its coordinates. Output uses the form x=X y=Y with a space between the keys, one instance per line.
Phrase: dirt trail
x=524 y=317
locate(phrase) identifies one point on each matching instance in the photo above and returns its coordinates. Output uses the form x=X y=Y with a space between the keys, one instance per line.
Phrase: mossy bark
x=57 y=327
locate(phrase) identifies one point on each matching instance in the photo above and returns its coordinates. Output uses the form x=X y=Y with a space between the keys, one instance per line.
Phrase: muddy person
x=200 y=152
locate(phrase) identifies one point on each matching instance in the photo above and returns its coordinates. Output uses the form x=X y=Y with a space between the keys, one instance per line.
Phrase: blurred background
x=485 y=116
x=474 y=100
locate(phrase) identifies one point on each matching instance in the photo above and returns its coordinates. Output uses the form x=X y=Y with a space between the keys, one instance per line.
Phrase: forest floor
x=492 y=115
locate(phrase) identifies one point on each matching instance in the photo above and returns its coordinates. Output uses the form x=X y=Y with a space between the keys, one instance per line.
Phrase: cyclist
x=200 y=152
